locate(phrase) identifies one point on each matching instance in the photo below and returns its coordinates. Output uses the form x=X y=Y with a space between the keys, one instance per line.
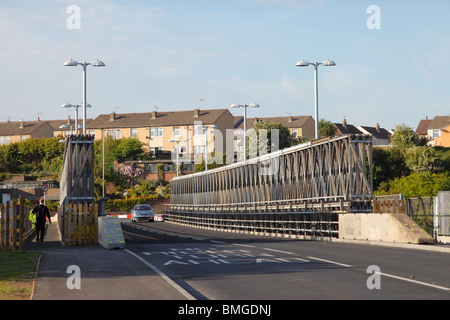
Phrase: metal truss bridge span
x=331 y=174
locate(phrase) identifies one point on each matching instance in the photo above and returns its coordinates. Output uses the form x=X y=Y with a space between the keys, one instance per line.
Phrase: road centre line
x=414 y=281
x=163 y=275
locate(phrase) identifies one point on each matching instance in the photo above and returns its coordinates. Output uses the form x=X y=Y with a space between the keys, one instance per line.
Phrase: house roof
x=57 y=123
x=347 y=128
x=156 y=119
x=290 y=121
x=422 y=128
x=12 y=128
x=439 y=122
x=379 y=133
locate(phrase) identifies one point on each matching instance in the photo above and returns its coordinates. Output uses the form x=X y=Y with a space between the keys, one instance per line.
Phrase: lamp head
x=70 y=63
x=67 y=105
x=328 y=63
x=98 y=63
x=303 y=63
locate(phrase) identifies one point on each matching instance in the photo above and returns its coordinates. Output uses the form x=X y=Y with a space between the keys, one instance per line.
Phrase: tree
x=405 y=137
x=129 y=149
x=263 y=134
x=388 y=164
x=326 y=129
x=423 y=159
x=212 y=164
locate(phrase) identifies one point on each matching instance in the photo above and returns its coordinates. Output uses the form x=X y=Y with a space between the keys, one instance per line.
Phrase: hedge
x=128 y=204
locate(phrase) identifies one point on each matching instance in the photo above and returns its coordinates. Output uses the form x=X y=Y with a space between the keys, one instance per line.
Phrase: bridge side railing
x=337 y=171
x=299 y=225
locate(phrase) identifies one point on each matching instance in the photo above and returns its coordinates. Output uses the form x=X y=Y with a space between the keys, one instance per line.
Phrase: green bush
x=128 y=204
x=417 y=185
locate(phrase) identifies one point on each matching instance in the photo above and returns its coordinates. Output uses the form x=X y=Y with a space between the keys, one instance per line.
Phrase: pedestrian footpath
x=94 y=273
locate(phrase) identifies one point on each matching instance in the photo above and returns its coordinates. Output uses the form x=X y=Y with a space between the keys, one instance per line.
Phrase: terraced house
x=16 y=131
x=160 y=131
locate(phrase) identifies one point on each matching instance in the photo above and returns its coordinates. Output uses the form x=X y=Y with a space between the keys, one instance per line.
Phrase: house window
x=182 y=150
x=133 y=133
x=199 y=130
x=199 y=149
x=156 y=132
x=156 y=150
x=114 y=133
x=436 y=133
x=176 y=131
x=295 y=133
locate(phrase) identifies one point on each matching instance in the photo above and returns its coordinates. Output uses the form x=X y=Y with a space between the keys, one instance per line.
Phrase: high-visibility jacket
x=32 y=218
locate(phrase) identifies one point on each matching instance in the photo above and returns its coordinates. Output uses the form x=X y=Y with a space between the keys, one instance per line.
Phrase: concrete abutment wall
x=387 y=227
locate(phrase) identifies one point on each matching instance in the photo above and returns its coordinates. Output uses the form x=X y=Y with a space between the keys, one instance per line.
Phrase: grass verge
x=17 y=274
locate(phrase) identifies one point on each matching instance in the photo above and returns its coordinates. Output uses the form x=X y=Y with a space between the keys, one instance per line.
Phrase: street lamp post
x=73 y=63
x=326 y=63
x=178 y=152
x=253 y=105
x=76 y=106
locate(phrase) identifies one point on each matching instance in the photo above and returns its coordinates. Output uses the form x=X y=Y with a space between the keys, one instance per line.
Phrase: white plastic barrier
x=110 y=234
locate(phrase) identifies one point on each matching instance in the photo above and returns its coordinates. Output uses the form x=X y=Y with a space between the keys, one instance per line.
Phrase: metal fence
x=421 y=210
x=442 y=216
x=300 y=225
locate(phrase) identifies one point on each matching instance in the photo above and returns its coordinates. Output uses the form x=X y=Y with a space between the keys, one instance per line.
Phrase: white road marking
x=332 y=262
x=279 y=251
x=163 y=275
x=414 y=281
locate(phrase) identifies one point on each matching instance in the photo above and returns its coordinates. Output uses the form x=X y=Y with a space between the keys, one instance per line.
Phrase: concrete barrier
x=389 y=227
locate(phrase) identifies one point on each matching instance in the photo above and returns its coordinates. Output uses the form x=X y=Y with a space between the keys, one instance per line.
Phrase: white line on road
x=163 y=275
x=274 y=250
x=215 y=241
x=333 y=262
x=414 y=281
x=243 y=245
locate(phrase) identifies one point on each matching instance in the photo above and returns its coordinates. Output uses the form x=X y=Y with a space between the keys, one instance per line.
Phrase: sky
x=169 y=55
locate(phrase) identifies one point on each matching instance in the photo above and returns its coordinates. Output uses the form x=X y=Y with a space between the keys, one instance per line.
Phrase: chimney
x=112 y=117
x=378 y=127
x=344 y=123
x=68 y=121
x=21 y=124
x=154 y=114
x=196 y=113
x=290 y=119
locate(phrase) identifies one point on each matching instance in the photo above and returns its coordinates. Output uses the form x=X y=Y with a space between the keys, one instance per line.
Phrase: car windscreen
x=142 y=208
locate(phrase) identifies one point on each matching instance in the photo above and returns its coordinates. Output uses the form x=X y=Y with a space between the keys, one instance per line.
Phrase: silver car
x=142 y=212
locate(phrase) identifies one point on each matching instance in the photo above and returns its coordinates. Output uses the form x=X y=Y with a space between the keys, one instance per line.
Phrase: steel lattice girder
x=322 y=170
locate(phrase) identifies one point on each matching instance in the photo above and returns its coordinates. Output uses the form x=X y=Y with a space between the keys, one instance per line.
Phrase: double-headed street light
x=326 y=63
x=253 y=105
x=73 y=63
x=76 y=106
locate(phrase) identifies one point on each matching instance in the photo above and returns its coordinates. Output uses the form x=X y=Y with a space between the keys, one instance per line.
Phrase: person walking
x=41 y=212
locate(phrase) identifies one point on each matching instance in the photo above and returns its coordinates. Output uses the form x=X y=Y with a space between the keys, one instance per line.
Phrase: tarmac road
x=228 y=266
